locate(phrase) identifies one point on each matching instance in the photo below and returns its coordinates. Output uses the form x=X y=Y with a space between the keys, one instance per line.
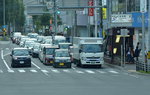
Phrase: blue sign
x=137 y=19
x=101 y=33
x=4 y=26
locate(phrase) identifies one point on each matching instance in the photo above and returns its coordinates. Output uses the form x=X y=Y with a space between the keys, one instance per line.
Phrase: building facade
x=123 y=15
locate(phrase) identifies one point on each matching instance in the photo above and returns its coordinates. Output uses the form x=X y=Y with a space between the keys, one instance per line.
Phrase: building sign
x=104 y=10
x=137 y=19
x=121 y=18
x=91 y=10
x=143 y=6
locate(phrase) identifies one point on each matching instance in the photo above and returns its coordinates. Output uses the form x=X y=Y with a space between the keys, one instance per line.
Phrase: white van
x=46 y=54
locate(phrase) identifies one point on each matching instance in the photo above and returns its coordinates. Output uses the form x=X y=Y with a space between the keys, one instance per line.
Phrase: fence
x=142 y=66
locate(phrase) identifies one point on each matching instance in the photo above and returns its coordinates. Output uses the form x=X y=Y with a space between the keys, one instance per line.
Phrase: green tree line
x=14 y=13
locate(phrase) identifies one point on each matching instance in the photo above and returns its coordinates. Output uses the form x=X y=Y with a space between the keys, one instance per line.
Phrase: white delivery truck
x=88 y=51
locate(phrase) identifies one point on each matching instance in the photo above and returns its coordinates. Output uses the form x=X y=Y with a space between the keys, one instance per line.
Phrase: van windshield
x=49 y=51
x=92 y=48
x=61 y=54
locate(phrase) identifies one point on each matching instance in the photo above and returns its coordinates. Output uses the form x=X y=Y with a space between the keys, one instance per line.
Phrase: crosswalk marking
x=11 y=71
x=44 y=71
x=61 y=71
x=56 y=71
x=34 y=71
x=22 y=71
x=67 y=71
x=79 y=72
x=102 y=72
x=89 y=71
x=113 y=72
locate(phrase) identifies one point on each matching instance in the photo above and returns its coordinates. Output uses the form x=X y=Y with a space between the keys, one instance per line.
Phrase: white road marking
x=44 y=71
x=67 y=71
x=133 y=76
x=89 y=71
x=2 y=56
x=11 y=71
x=80 y=72
x=34 y=71
x=102 y=72
x=22 y=71
x=7 y=54
x=1 y=71
x=7 y=48
x=36 y=65
x=73 y=68
x=113 y=72
x=56 y=71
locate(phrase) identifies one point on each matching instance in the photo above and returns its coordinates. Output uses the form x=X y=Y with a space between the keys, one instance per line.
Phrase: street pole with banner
x=143 y=9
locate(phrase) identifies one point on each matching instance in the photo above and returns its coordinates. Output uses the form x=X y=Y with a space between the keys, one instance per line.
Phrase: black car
x=20 y=57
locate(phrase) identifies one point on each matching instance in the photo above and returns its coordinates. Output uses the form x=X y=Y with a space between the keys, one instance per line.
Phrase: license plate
x=51 y=61
x=92 y=62
x=61 y=64
x=21 y=62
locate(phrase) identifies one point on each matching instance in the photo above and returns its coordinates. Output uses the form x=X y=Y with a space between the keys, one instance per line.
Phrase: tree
x=14 y=13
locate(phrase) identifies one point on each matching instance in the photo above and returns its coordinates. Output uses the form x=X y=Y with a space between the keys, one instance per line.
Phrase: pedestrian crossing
x=59 y=71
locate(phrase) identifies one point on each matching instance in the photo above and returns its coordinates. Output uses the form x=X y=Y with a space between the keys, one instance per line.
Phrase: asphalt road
x=46 y=80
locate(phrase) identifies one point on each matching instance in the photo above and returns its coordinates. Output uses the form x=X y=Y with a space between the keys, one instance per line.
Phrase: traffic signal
x=58 y=12
x=66 y=28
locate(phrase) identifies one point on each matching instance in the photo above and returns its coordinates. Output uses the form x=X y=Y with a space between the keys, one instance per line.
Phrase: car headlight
x=84 y=58
x=15 y=58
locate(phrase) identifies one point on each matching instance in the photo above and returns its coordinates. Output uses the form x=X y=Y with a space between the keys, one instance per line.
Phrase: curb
x=124 y=69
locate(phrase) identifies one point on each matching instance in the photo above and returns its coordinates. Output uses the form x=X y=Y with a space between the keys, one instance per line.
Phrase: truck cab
x=88 y=51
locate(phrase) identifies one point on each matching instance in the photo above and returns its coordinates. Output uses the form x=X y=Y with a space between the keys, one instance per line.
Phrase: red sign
x=91 y=10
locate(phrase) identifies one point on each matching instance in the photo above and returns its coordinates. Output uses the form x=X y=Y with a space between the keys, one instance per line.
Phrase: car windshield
x=91 y=48
x=36 y=46
x=61 y=54
x=22 y=52
x=64 y=46
x=49 y=51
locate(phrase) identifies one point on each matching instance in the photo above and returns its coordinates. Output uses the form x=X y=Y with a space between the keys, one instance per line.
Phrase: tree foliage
x=14 y=12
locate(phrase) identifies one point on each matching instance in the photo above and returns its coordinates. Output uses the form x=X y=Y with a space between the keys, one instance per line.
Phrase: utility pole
x=4 y=12
x=148 y=30
x=4 y=22
x=95 y=12
x=55 y=16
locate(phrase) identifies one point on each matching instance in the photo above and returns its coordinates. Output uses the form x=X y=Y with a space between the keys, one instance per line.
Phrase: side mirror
x=80 y=51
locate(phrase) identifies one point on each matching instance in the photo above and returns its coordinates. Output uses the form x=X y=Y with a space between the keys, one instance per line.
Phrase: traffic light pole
x=4 y=23
x=55 y=15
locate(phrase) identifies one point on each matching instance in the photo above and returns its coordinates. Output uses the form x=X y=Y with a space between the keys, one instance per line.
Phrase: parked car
x=20 y=57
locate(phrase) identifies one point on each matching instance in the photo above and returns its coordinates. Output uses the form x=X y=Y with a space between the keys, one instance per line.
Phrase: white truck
x=88 y=51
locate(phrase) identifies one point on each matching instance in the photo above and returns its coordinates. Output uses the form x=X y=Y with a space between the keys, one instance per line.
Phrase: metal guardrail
x=142 y=66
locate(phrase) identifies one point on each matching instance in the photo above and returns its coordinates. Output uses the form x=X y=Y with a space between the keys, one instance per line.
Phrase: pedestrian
x=146 y=55
x=137 y=53
x=128 y=55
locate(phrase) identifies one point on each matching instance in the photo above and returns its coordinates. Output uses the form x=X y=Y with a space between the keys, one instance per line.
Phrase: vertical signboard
x=104 y=11
x=91 y=10
x=143 y=6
